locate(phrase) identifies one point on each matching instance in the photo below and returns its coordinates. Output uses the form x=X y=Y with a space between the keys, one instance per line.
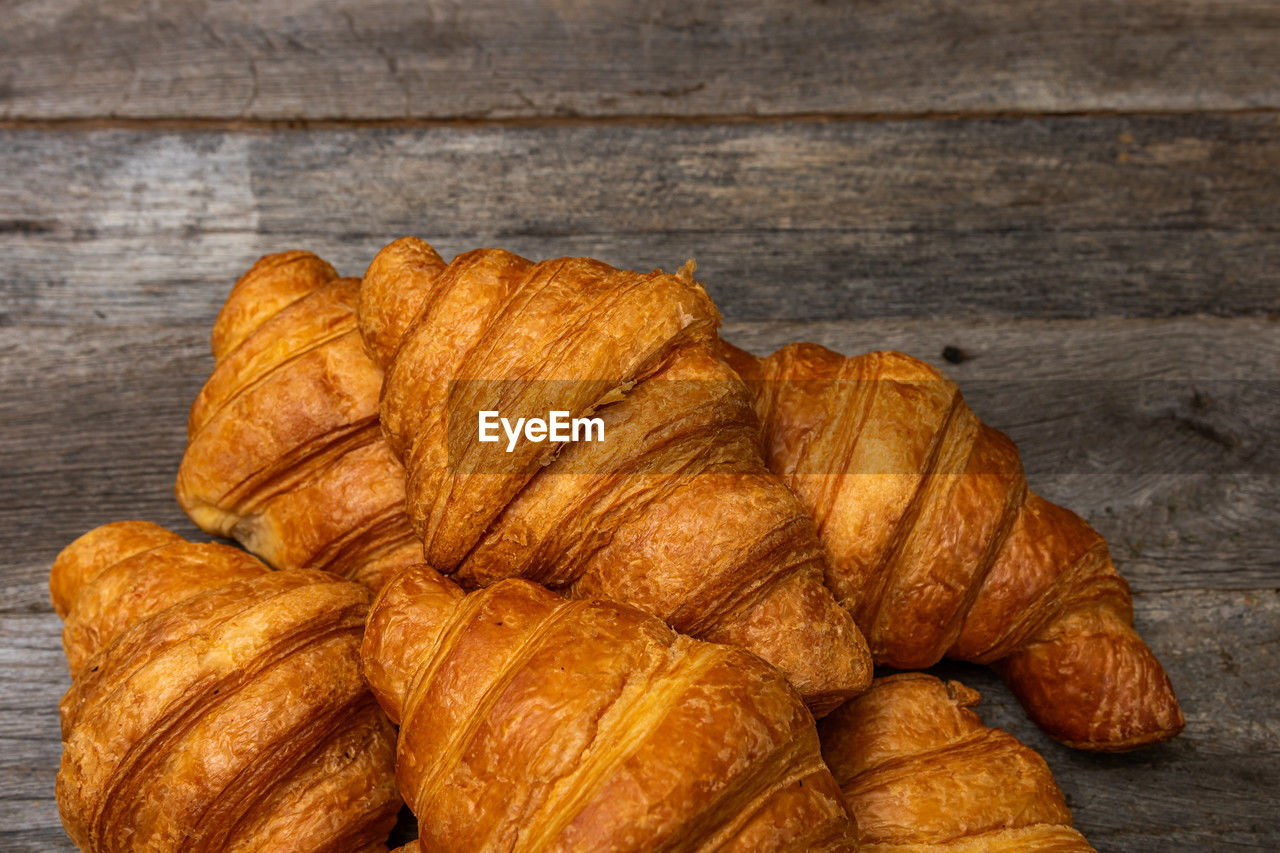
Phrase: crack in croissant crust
x=284 y=450
x=530 y=722
x=920 y=771
x=675 y=512
x=215 y=705
x=936 y=546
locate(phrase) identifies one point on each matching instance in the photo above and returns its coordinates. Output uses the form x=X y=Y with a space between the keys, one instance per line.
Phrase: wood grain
x=1163 y=434
x=94 y=417
x=1045 y=199
x=489 y=59
x=1106 y=418
x=1070 y=217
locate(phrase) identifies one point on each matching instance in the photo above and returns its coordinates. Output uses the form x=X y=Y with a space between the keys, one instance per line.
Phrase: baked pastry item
x=285 y=455
x=529 y=722
x=284 y=451
x=673 y=511
x=936 y=546
x=921 y=772
x=215 y=705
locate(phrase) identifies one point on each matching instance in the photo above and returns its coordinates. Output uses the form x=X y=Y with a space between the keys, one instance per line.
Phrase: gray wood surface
x=1064 y=217
x=95 y=414
x=1071 y=207
x=357 y=59
x=1102 y=410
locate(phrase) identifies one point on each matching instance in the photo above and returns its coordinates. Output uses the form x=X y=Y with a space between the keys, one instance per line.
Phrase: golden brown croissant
x=529 y=722
x=920 y=771
x=936 y=546
x=284 y=452
x=673 y=512
x=215 y=705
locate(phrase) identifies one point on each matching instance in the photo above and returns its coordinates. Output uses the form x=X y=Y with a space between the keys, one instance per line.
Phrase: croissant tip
x=963 y=695
x=1128 y=743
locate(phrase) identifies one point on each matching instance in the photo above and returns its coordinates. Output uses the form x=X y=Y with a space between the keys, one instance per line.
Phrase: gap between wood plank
x=161 y=124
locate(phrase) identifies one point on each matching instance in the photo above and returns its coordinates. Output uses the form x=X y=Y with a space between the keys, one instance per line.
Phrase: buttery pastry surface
x=529 y=722
x=284 y=451
x=936 y=546
x=675 y=512
x=215 y=705
x=920 y=771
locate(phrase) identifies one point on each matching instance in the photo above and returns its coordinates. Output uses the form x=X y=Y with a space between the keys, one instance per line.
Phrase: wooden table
x=1072 y=206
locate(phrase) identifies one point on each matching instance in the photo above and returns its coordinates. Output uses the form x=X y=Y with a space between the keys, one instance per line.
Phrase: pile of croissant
x=619 y=644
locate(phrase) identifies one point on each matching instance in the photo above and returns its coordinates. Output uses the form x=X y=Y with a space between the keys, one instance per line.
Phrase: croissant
x=920 y=771
x=531 y=722
x=936 y=546
x=673 y=512
x=215 y=705
x=284 y=450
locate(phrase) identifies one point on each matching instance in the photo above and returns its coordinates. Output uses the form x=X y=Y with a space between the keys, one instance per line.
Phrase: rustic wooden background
x=1073 y=206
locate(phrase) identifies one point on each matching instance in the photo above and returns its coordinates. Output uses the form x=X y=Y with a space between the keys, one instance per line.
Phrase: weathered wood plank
x=94 y=428
x=1070 y=217
x=1112 y=349
x=33 y=677
x=1165 y=434
x=1105 y=412
x=35 y=827
x=490 y=59
x=117 y=248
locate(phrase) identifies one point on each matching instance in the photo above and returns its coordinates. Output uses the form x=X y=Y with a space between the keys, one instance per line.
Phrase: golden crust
x=529 y=722
x=218 y=706
x=396 y=286
x=284 y=451
x=269 y=285
x=674 y=513
x=920 y=771
x=937 y=548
